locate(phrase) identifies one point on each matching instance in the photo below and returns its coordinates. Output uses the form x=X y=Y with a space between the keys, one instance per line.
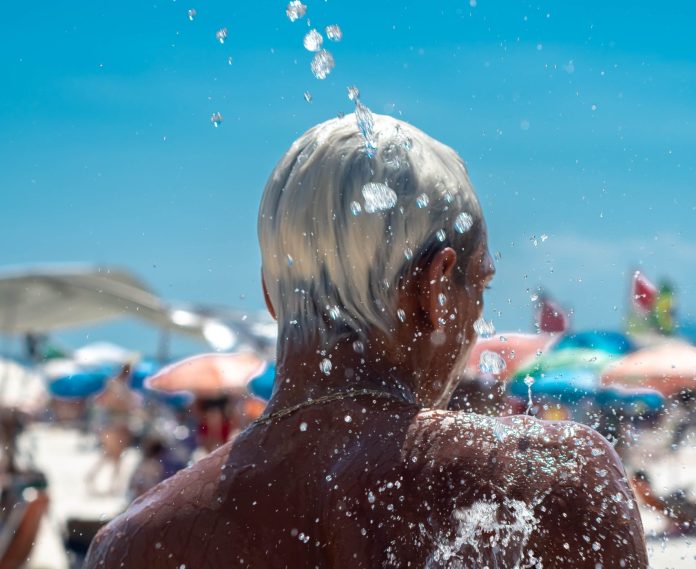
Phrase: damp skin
x=391 y=487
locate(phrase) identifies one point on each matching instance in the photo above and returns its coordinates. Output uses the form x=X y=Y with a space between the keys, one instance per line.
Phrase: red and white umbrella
x=209 y=375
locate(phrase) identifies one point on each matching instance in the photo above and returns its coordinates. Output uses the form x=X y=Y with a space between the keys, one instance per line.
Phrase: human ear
x=269 y=304
x=436 y=285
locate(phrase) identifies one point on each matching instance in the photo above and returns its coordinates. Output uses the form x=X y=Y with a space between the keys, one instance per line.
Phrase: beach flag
x=551 y=317
x=643 y=293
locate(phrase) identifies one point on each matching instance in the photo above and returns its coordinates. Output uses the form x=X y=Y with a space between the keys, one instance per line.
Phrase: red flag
x=551 y=317
x=643 y=293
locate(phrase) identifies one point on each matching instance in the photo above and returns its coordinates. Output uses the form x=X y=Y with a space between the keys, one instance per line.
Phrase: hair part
x=339 y=226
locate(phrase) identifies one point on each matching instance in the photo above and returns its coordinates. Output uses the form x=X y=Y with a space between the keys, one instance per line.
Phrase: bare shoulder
x=512 y=451
x=154 y=522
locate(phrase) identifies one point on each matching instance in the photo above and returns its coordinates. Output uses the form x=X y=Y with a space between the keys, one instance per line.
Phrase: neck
x=303 y=374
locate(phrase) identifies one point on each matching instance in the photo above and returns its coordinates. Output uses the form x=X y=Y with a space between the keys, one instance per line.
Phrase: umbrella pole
x=164 y=342
x=10 y=318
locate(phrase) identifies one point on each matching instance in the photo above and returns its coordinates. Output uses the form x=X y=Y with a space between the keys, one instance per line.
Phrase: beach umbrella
x=564 y=384
x=566 y=359
x=604 y=340
x=262 y=384
x=668 y=368
x=79 y=385
x=515 y=348
x=630 y=401
x=102 y=353
x=209 y=375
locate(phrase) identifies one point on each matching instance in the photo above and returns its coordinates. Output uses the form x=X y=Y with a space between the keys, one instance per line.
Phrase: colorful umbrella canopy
x=262 y=384
x=79 y=385
x=604 y=340
x=209 y=375
x=516 y=349
x=565 y=384
x=630 y=401
x=568 y=358
x=667 y=368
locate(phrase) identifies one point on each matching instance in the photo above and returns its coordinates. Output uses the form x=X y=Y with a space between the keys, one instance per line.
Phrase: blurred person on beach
x=151 y=468
x=374 y=262
x=677 y=509
x=115 y=409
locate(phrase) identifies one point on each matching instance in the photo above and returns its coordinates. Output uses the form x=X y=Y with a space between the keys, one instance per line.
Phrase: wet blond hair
x=344 y=215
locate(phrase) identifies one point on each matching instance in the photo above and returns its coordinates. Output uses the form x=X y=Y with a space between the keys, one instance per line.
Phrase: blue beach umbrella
x=262 y=385
x=607 y=341
x=79 y=385
x=564 y=384
x=630 y=401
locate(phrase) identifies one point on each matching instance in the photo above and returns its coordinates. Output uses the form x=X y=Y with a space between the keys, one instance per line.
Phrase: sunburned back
x=343 y=486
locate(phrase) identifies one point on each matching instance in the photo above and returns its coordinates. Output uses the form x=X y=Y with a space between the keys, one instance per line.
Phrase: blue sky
x=577 y=121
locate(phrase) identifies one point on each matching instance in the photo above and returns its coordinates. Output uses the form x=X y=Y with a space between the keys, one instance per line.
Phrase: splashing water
x=313 y=40
x=463 y=222
x=334 y=33
x=192 y=14
x=378 y=197
x=221 y=35
x=401 y=315
x=355 y=208
x=491 y=362
x=325 y=366
x=353 y=93
x=308 y=96
x=484 y=328
x=295 y=10
x=358 y=347
x=489 y=535
x=529 y=381
x=366 y=126
x=441 y=235
x=422 y=201
x=216 y=119
x=322 y=64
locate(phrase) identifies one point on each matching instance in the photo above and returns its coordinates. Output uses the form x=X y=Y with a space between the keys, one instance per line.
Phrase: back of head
x=347 y=211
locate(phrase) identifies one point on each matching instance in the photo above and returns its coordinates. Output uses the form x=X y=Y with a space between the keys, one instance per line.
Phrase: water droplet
x=229 y=60
x=371 y=497
x=484 y=328
x=378 y=197
x=366 y=126
x=295 y=10
x=158 y=545
x=534 y=297
x=308 y=96
x=221 y=35
x=303 y=426
x=358 y=347
x=491 y=362
x=529 y=380
x=441 y=299
x=348 y=419
x=524 y=124
x=313 y=40
x=192 y=14
x=334 y=312
x=408 y=253
x=544 y=237
x=291 y=261
x=441 y=235
x=594 y=107
x=463 y=222
x=401 y=315
x=325 y=366
x=334 y=33
x=216 y=119
x=322 y=64
x=422 y=201
x=355 y=208
x=353 y=93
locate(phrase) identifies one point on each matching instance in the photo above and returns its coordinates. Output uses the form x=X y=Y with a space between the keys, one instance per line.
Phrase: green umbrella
x=573 y=358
